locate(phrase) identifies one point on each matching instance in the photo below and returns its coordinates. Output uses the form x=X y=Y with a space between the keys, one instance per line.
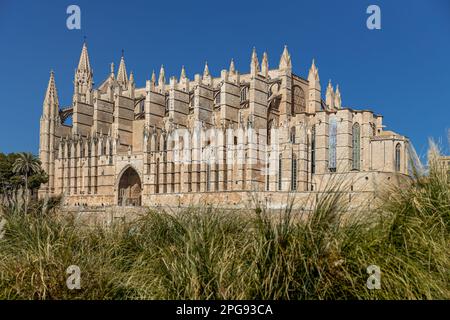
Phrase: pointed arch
x=280 y=171
x=298 y=100
x=332 y=140
x=129 y=187
x=294 y=172
x=398 y=157
x=313 y=149
x=292 y=135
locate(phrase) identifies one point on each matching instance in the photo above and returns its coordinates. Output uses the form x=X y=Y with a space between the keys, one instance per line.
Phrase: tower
x=329 y=96
x=48 y=123
x=83 y=80
x=337 y=98
x=285 y=75
x=314 y=96
x=122 y=77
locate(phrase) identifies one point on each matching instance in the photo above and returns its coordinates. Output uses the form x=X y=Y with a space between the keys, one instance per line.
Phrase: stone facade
x=219 y=140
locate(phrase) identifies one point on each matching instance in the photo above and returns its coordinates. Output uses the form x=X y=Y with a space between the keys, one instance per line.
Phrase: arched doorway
x=130 y=188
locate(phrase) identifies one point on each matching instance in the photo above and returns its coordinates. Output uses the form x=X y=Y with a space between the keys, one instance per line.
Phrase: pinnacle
x=183 y=73
x=162 y=76
x=232 y=67
x=285 y=60
x=51 y=95
x=254 y=65
x=84 y=64
x=206 y=70
x=122 y=73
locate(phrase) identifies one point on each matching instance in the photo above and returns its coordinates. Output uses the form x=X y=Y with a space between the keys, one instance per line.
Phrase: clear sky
x=401 y=71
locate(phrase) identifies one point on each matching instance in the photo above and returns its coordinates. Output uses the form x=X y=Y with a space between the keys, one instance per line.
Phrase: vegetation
x=19 y=173
x=203 y=253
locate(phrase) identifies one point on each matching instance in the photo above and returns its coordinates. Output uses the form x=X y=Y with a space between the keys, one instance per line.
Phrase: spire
x=83 y=81
x=329 y=96
x=183 y=73
x=112 y=69
x=51 y=102
x=162 y=76
x=83 y=64
x=337 y=98
x=313 y=76
x=51 y=95
x=330 y=86
x=206 y=70
x=254 y=64
x=265 y=65
x=153 y=78
x=313 y=72
x=232 y=68
x=122 y=73
x=285 y=60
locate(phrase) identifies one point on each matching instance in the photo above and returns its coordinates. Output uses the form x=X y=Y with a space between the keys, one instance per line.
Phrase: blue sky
x=401 y=71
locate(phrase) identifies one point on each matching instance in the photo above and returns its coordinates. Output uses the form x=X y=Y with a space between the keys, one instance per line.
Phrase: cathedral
x=220 y=140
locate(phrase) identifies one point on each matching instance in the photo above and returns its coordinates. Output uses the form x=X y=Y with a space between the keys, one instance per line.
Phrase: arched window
x=298 y=100
x=208 y=177
x=217 y=98
x=397 y=157
x=332 y=145
x=292 y=135
x=356 y=145
x=294 y=173
x=313 y=149
x=157 y=176
x=279 y=171
x=269 y=133
x=172 y=176
x=244 y=92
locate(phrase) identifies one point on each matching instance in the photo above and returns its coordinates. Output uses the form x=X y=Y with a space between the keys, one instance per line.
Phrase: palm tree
x=26 y=164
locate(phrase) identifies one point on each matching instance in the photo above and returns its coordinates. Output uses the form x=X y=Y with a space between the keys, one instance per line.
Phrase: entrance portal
x=130 y=188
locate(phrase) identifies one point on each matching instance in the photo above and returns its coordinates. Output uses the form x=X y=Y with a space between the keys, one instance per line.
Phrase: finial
x=206 y=70
x=162 y=77
x=254 y=64
x=285 y=60
x=232 y=67
x=265 y=65
x=112 y=67
x=123 y=51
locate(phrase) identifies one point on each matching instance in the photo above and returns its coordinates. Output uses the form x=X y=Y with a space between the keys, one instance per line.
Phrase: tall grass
x=205 y=253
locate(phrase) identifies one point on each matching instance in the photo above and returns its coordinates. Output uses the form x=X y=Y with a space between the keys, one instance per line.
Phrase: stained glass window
x=332 y=145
